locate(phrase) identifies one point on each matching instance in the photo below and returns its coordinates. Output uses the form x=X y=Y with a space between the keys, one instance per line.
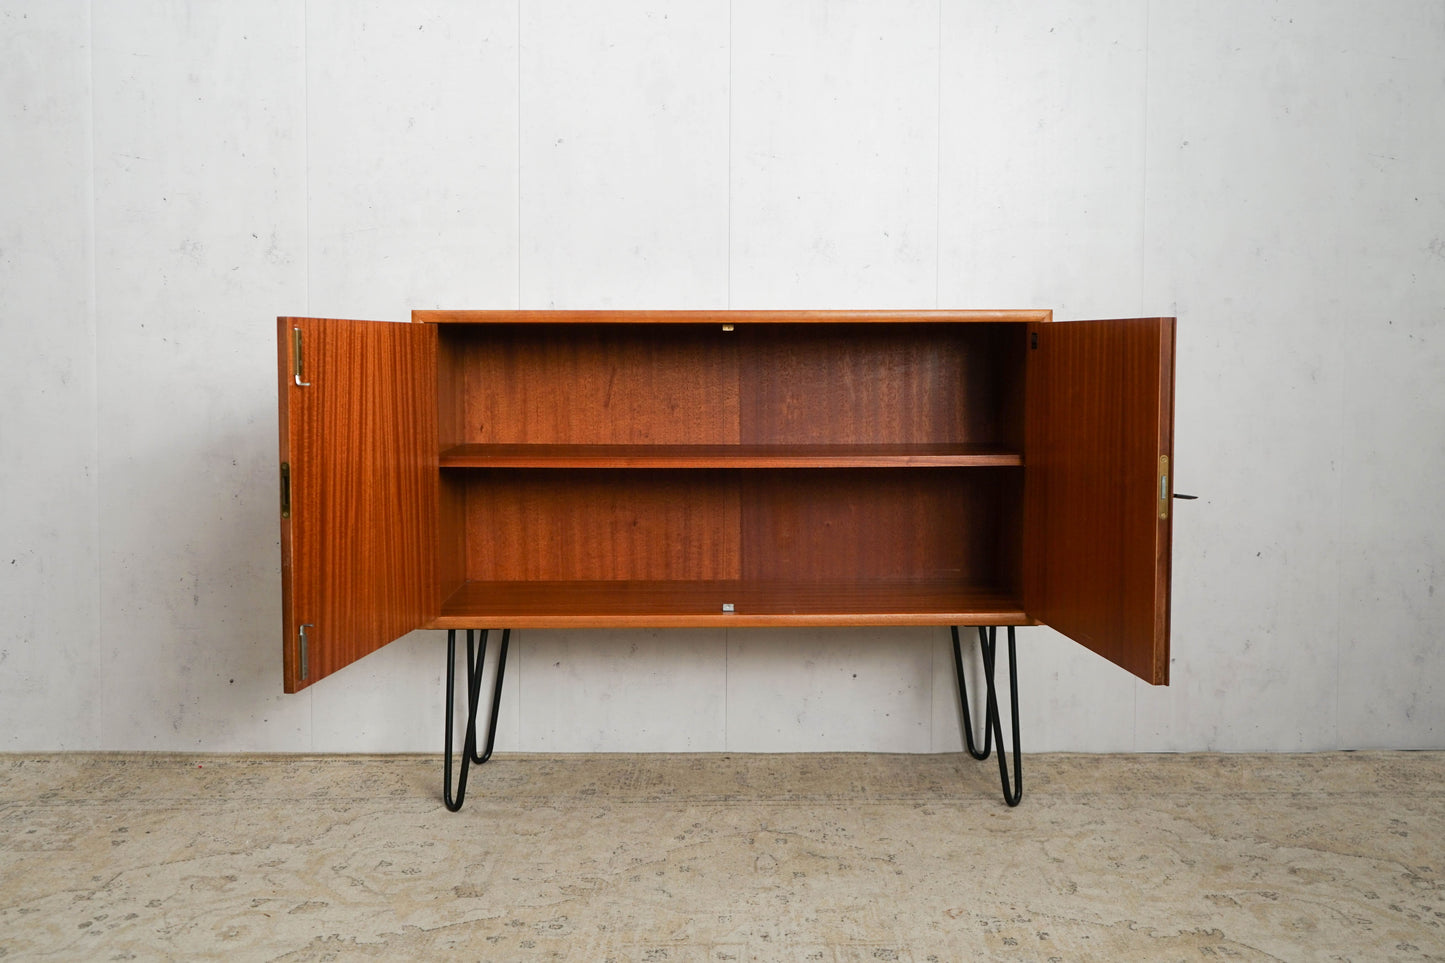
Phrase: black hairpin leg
x=992 y=723
x=476 y=656
x=973 y=749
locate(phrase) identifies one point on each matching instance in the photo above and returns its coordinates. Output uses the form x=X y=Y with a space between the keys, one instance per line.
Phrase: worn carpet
x=723 y=858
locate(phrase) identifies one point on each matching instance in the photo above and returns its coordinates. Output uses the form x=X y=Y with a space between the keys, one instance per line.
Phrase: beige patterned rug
x=723 y=858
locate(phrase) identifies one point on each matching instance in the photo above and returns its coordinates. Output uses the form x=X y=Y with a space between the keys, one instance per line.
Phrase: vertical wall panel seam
x=1143 y=282
x=89 y=734
x=1380 y=734
x=932 y=693
x=306 y=145
x=728 y=303
x=727 y=651
x=310 y=691
x=935 y=735
x=520 y=305
x=522 y=745
x=938 y=165
x=1144 y=175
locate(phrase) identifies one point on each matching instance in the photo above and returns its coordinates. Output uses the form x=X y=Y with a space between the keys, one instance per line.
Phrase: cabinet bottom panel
x=683 y=604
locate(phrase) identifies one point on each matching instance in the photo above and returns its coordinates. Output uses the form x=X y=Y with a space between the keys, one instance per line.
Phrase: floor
x=671 y=858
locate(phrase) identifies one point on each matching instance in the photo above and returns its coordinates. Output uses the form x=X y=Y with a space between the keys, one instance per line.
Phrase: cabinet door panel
x=1100 y=421
x=358 y=550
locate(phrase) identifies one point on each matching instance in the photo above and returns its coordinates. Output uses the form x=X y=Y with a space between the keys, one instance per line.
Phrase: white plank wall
x=176 y=174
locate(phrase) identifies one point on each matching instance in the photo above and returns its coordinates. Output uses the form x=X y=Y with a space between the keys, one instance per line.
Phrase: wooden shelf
x=682 y=604
x=730 y=456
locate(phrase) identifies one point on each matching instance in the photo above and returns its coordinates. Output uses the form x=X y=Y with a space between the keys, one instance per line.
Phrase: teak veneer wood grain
x=729 y=456
x=704 y=525
x=519 y=469
x=1101 y=413
x=359 y=552
x=617 y=385
x=446 y=316
x=900 y=383
x=672 y=604
x=761 y=384
x=612 y=524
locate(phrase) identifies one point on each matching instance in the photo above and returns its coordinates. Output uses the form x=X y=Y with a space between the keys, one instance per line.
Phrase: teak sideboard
x=543 y=469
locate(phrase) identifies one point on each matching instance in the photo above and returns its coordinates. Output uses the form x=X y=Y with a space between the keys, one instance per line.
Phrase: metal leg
x=1010 y=796
x=993 y=724
x=476 y=657
x=973 y=749
x=496 y=691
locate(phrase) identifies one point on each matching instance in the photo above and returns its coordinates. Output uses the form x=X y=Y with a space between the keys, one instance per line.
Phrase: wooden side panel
x=451 y=399
x=452 y=532
x=1100 y=414
x=451 y=492
x=359 y=551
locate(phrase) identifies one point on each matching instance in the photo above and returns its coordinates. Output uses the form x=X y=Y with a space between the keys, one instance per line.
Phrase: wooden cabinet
x=506 y=469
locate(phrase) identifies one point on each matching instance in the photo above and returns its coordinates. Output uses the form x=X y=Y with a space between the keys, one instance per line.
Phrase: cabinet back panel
x=763 y=384
x=883 y=524
x=788 y=525
x=858 y=384
x=603 y=385
x=601 y=524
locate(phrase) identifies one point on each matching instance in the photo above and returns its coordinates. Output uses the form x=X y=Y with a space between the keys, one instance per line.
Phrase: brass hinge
x=285 y=489
x=1163 y=486
x=304 y=649
x=296 y=368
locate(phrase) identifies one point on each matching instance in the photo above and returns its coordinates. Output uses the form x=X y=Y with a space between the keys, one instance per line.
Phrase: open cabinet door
x=359 y=456
x=1100 y=439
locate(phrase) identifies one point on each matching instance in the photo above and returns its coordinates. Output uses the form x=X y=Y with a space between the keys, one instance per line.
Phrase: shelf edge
x=511 y=456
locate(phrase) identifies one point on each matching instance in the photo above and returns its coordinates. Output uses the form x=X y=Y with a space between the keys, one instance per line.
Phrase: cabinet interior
x=828 y=472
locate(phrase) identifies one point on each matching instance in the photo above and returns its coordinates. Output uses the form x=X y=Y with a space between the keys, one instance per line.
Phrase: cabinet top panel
x=726 y=317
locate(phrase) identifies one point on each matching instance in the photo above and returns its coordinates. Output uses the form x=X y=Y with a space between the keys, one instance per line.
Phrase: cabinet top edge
x=726 y=317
